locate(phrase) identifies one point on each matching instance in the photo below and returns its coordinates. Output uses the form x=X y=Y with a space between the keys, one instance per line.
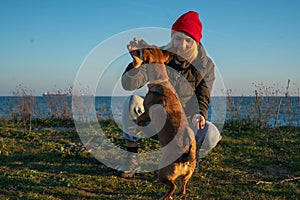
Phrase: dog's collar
x=157 y=82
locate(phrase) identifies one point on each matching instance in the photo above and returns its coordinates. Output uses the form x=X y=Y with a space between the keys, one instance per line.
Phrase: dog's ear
x=168 y=55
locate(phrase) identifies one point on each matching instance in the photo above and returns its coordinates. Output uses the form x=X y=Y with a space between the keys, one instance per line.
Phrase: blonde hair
x=189 y=55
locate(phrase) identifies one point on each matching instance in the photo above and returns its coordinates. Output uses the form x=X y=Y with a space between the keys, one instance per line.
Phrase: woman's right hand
x=198 y=121
x=133 y=47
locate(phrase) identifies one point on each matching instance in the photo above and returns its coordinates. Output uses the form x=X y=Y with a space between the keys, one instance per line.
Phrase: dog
x=164 y=110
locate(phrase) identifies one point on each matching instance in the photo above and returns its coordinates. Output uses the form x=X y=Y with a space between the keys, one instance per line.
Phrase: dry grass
x=269 y=103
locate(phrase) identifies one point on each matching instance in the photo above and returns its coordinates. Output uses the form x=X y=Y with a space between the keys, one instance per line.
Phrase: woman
x=191 y=72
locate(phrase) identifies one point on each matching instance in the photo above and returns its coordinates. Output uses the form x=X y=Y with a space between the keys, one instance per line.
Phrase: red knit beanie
x=189 y=23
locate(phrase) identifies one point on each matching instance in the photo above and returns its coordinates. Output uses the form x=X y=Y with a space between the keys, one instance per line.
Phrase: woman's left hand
x=198 y=121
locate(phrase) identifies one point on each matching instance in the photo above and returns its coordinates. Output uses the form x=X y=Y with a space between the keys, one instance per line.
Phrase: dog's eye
x=138 y=53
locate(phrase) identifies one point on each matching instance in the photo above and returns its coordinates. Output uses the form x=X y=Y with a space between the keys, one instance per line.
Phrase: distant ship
x=55 y=94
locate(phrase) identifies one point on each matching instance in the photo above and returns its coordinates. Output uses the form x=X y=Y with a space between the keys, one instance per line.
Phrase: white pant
x=206 y=138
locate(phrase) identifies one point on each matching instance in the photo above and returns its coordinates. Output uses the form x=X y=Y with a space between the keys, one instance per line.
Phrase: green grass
x=50 y=163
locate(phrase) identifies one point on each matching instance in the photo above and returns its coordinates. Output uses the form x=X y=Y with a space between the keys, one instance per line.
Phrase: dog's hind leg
x=183 y=182
x=164 y=177
x=170 y=191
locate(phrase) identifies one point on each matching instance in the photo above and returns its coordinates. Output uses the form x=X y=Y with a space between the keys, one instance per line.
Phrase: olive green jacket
x=193 y=83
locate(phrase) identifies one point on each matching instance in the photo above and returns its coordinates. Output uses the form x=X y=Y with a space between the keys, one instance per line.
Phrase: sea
x=273 y=111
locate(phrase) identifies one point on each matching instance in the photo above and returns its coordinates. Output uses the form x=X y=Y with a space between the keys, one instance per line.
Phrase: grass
x=49 y=162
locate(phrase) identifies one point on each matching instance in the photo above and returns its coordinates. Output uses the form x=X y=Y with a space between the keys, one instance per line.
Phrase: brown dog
x=163 y=109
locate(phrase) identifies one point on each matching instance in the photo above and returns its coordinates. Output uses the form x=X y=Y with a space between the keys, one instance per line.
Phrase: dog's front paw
x=143 y=120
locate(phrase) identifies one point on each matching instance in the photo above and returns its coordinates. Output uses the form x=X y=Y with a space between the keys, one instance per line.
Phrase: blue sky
x=44 y=42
